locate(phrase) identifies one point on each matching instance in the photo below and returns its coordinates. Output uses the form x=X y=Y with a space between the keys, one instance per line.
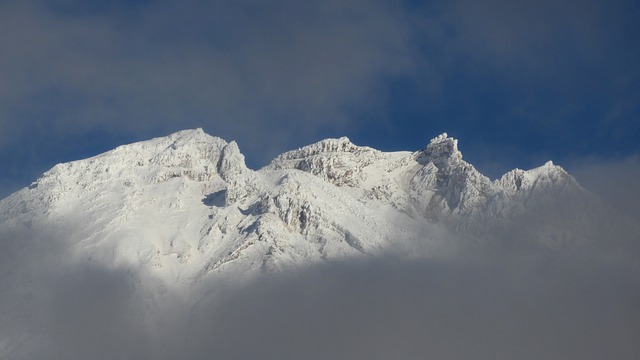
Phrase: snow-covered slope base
x=186 y=216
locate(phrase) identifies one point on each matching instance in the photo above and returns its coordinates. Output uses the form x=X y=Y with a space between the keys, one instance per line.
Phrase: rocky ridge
x=185 y=206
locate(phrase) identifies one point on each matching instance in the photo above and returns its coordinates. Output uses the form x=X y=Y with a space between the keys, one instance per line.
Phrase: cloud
x=613 y=180
x=56 y=307
x=443 y=310
x=541 y=41
x=237 y=68
x=476 y=300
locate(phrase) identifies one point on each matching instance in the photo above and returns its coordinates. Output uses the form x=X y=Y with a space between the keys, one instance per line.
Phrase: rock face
x=185 y=207
x=434 y=184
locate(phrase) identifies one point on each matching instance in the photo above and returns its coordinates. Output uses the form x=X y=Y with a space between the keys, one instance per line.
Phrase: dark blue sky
x=518 y=83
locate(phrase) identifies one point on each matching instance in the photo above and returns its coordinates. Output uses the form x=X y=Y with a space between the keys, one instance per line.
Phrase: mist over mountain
x=174 y=248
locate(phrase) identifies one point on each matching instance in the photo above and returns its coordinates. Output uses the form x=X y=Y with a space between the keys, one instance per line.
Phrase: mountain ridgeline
x=185 y=206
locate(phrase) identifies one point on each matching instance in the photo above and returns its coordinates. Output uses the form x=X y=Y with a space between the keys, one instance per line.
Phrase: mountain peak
x=183 y=137
x=440 y=138
x=441 y=149
x=333 y=145
x=187 y=132
x=337 y=160
x=443 y=146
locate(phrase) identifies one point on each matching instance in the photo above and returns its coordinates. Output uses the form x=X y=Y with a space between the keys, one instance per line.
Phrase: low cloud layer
x=441 y=310
x=614 y=181
x=504 y=310
x=473 y=301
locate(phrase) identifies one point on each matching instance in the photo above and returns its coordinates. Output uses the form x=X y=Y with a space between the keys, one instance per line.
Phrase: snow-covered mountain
x=185 y=216
x=186 y=206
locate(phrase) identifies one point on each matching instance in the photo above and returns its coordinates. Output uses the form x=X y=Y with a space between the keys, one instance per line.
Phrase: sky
x=519 y=83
